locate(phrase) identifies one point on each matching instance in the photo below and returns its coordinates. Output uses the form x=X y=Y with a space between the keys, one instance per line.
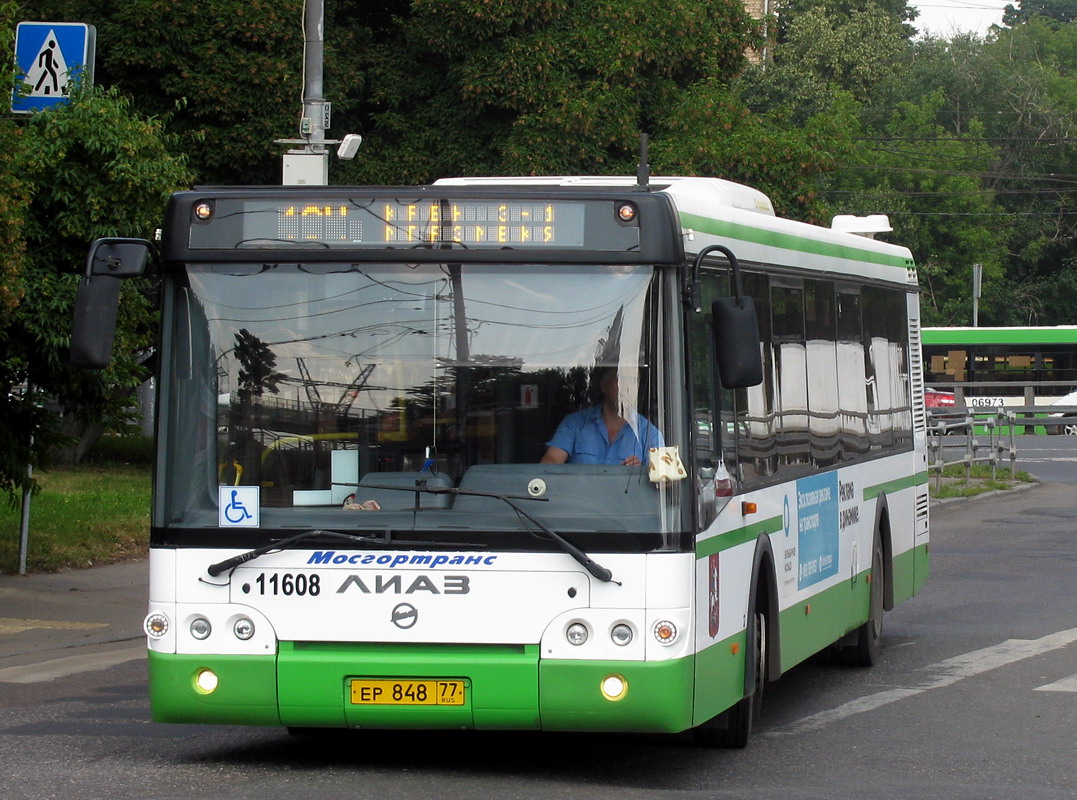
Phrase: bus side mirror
x=97 y=301
x=94 y=326
x=736 y=342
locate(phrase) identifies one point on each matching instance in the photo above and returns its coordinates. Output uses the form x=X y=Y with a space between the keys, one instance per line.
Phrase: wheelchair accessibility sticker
x=238 y=506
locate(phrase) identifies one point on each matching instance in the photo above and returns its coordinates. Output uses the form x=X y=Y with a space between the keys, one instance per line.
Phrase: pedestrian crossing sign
x=50 y=57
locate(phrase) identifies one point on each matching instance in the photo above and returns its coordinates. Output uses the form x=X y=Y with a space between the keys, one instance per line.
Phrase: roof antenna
x=643 y=169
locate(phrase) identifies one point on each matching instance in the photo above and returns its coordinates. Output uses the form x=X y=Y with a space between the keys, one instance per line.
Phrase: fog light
x=243 y=629
x=576 y=633
x=200 y=628
x=665 y=632
x=156 y=625
x=614 y=687
x=621 y=634
x=206 y=681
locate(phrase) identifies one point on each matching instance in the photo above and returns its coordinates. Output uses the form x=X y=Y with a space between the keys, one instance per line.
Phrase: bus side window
x=756 y=444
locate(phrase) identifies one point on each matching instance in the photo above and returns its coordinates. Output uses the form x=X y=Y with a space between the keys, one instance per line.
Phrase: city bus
x=998 y=366
x=560 y=454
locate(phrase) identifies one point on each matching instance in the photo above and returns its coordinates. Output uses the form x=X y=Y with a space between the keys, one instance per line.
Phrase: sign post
x=977 y=284
x=51 y=57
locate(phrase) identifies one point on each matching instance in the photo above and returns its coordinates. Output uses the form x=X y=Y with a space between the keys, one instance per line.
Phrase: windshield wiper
x=593 y=567
x=231 y=563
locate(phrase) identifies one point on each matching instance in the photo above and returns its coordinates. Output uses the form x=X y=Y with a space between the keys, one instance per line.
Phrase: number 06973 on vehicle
x=405 y=692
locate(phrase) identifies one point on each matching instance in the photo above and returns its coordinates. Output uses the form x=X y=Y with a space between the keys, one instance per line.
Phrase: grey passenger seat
x=621 y=496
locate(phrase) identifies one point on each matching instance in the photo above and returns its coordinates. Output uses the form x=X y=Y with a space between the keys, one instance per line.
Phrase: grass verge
x=84 y=516
x=955 y=484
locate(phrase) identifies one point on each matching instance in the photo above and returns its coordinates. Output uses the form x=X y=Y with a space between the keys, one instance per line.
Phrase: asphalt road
x=1049 y=458
x=975 y=697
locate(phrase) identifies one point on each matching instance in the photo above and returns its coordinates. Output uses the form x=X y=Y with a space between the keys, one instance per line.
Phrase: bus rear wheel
x=861 y=647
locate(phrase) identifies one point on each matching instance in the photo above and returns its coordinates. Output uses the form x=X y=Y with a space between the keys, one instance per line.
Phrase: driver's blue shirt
x=583 y=436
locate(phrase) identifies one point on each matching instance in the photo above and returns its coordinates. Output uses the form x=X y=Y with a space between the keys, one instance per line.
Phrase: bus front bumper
x=505 y=687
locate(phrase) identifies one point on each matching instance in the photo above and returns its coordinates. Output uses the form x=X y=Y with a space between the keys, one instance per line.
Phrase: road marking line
x=945 y=673
x=1065 y=685
x=15 y=625
x=70 y=665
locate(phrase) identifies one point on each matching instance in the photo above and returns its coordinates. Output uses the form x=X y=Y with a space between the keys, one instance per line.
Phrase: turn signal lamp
x=665 y=632
x=156 y=625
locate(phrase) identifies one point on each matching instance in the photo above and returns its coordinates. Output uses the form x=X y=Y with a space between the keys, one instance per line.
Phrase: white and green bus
x=565 y=454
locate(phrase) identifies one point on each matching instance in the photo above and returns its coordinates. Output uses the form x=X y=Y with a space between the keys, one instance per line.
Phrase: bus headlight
x=243 y=628
x=200 y=628
x=576 y=633
x=621 y=634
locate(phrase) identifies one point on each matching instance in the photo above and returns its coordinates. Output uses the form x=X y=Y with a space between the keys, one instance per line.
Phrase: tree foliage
x=93 y=168
x=1058 y=10
x=791 y=12
x=14 y=191
x=526 y=88
x=226 y=73
x=966 y=142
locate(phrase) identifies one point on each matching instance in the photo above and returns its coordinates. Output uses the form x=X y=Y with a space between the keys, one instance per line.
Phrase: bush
x=122 y=449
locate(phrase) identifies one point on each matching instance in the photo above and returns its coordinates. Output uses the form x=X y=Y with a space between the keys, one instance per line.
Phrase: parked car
x=933 y=398
x=941 y=408
x=1068 y=428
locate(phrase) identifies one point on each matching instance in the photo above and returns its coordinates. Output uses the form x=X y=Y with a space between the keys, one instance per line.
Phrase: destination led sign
x=334 y=221
x=388 y=223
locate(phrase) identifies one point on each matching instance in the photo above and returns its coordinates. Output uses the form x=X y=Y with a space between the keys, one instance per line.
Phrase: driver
x=600 y=435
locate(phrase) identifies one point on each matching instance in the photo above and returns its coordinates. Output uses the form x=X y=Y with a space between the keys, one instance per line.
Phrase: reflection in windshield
x=325 y=379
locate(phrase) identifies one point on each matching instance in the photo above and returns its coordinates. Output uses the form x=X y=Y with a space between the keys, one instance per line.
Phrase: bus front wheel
x=733 y=727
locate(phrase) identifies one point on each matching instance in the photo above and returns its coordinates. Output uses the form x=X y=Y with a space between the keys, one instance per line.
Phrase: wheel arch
x=765 y=585
x=882 y=528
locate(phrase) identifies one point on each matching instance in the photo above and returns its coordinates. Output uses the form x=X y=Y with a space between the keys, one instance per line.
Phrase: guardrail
x=1054 y=419
x=952 y=439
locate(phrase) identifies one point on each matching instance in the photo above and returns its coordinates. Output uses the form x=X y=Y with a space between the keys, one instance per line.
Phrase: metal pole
x=313 y=99
x=310 y=165
x=977 y=283
x=24 y=524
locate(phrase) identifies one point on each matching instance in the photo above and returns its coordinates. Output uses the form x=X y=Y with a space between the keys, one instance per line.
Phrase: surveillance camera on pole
x=349 y=145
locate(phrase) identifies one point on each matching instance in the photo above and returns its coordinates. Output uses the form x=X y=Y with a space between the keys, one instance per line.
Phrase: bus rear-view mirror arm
x=735 y=325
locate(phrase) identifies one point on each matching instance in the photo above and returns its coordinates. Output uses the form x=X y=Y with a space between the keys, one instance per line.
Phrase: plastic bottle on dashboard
x=723 y=481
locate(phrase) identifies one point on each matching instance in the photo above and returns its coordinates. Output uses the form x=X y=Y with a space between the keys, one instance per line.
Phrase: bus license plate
x=407 y=692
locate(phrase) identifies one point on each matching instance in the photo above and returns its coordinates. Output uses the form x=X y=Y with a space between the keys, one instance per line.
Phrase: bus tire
x=732 y=728
x=861 y=648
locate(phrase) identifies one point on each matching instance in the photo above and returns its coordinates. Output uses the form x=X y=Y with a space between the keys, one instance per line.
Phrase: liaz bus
x=999 y=366
x=563 y=454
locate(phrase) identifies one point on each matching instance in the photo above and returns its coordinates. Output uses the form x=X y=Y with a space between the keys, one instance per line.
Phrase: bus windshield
x=393 y=396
